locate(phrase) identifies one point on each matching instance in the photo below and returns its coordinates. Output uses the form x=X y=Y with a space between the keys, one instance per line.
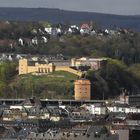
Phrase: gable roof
x=32 y=102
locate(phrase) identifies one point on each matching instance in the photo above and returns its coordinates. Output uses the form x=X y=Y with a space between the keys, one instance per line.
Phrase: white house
x=20 y=107
x=48 y=30
x=118 y=108
x=20 y=40
x=10 y=58
x=97 y=109
x=106 y=31
x=59 y=31
x=34 y=41
x=45 y=40
x=70 y=31
x=123 y=108
x=18 y=56
x=82 y=31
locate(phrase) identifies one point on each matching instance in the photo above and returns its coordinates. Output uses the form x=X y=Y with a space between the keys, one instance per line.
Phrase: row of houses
x=119 y=115
x=43 y=35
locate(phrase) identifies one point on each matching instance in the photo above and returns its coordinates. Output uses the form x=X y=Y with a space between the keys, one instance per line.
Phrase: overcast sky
x=123 y=7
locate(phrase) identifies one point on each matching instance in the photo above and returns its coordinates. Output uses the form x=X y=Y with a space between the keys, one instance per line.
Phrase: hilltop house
x=94 y=63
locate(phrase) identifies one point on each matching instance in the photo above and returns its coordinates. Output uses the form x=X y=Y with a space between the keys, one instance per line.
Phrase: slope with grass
x=57 y=85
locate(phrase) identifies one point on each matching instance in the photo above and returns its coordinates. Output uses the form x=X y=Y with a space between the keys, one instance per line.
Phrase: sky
x=120 y=7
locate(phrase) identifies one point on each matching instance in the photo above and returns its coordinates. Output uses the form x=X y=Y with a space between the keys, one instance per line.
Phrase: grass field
x=58 y=85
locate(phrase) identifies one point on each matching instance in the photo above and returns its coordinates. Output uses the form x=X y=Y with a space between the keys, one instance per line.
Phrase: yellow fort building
x=26 y=67
x=42 y=67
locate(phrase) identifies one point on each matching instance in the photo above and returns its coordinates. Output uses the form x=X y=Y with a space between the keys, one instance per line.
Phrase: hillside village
x=59 y=44
x=36 y=33
x=68 y=82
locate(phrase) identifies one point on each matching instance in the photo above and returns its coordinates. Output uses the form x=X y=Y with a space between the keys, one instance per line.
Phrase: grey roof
x=32 y=102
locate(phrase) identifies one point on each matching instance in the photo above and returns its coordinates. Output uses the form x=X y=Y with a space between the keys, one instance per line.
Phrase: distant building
x=123 y=132
x=48 y=30
x=42 y=67
x=94 y=63
x=117 y=107
x=90 y=133
x=26 y=66
x=85 y=29
x=21 y=41
x=82 y=89
x=35 y=41
x=132 y=100
x=97 y=109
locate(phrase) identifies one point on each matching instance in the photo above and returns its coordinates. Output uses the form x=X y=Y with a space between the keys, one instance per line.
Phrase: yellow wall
x=68 y=69
x=32 y=69
x=38 y=68
x=23 y=66
x=43 y=68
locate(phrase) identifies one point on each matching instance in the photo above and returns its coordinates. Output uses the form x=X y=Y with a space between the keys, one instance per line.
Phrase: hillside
x=108 y=81
x=58 y=85
x=57 y=15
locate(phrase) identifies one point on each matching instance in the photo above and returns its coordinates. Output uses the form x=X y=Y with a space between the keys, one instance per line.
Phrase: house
x=35 y=41
x=133 y=100
x=19 y=107
x=121 y=131
x=116 y=107
x=10 y=57
x=70 y=31
x=59 y=31
x=97 y=63
x=31 y=102
x=106 y=32
x=82 y=31
x=45 y=40
x=20 y=41
x=73 y=29
x=14 y=114
x=97 y=109
x=28 y=41
x=85 y=29
x=94 y=63
x=37 y=113
x=54 y=31
x=27 y=104
x=48 y=30
x=18 y=56
x=93 y=32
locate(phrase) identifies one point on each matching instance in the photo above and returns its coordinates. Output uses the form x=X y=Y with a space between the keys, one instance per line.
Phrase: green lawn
x=58 y=85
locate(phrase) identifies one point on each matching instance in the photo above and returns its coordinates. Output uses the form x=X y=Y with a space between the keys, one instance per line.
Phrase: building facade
x=132 y=100
x=26 y=67
x=93 y=63
x=82 y=89
x=42 y=67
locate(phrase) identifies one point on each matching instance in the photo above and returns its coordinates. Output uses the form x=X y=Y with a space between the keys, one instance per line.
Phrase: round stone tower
x=82 y=88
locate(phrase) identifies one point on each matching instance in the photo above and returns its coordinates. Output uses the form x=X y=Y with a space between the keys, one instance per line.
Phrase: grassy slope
x=54 y=85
